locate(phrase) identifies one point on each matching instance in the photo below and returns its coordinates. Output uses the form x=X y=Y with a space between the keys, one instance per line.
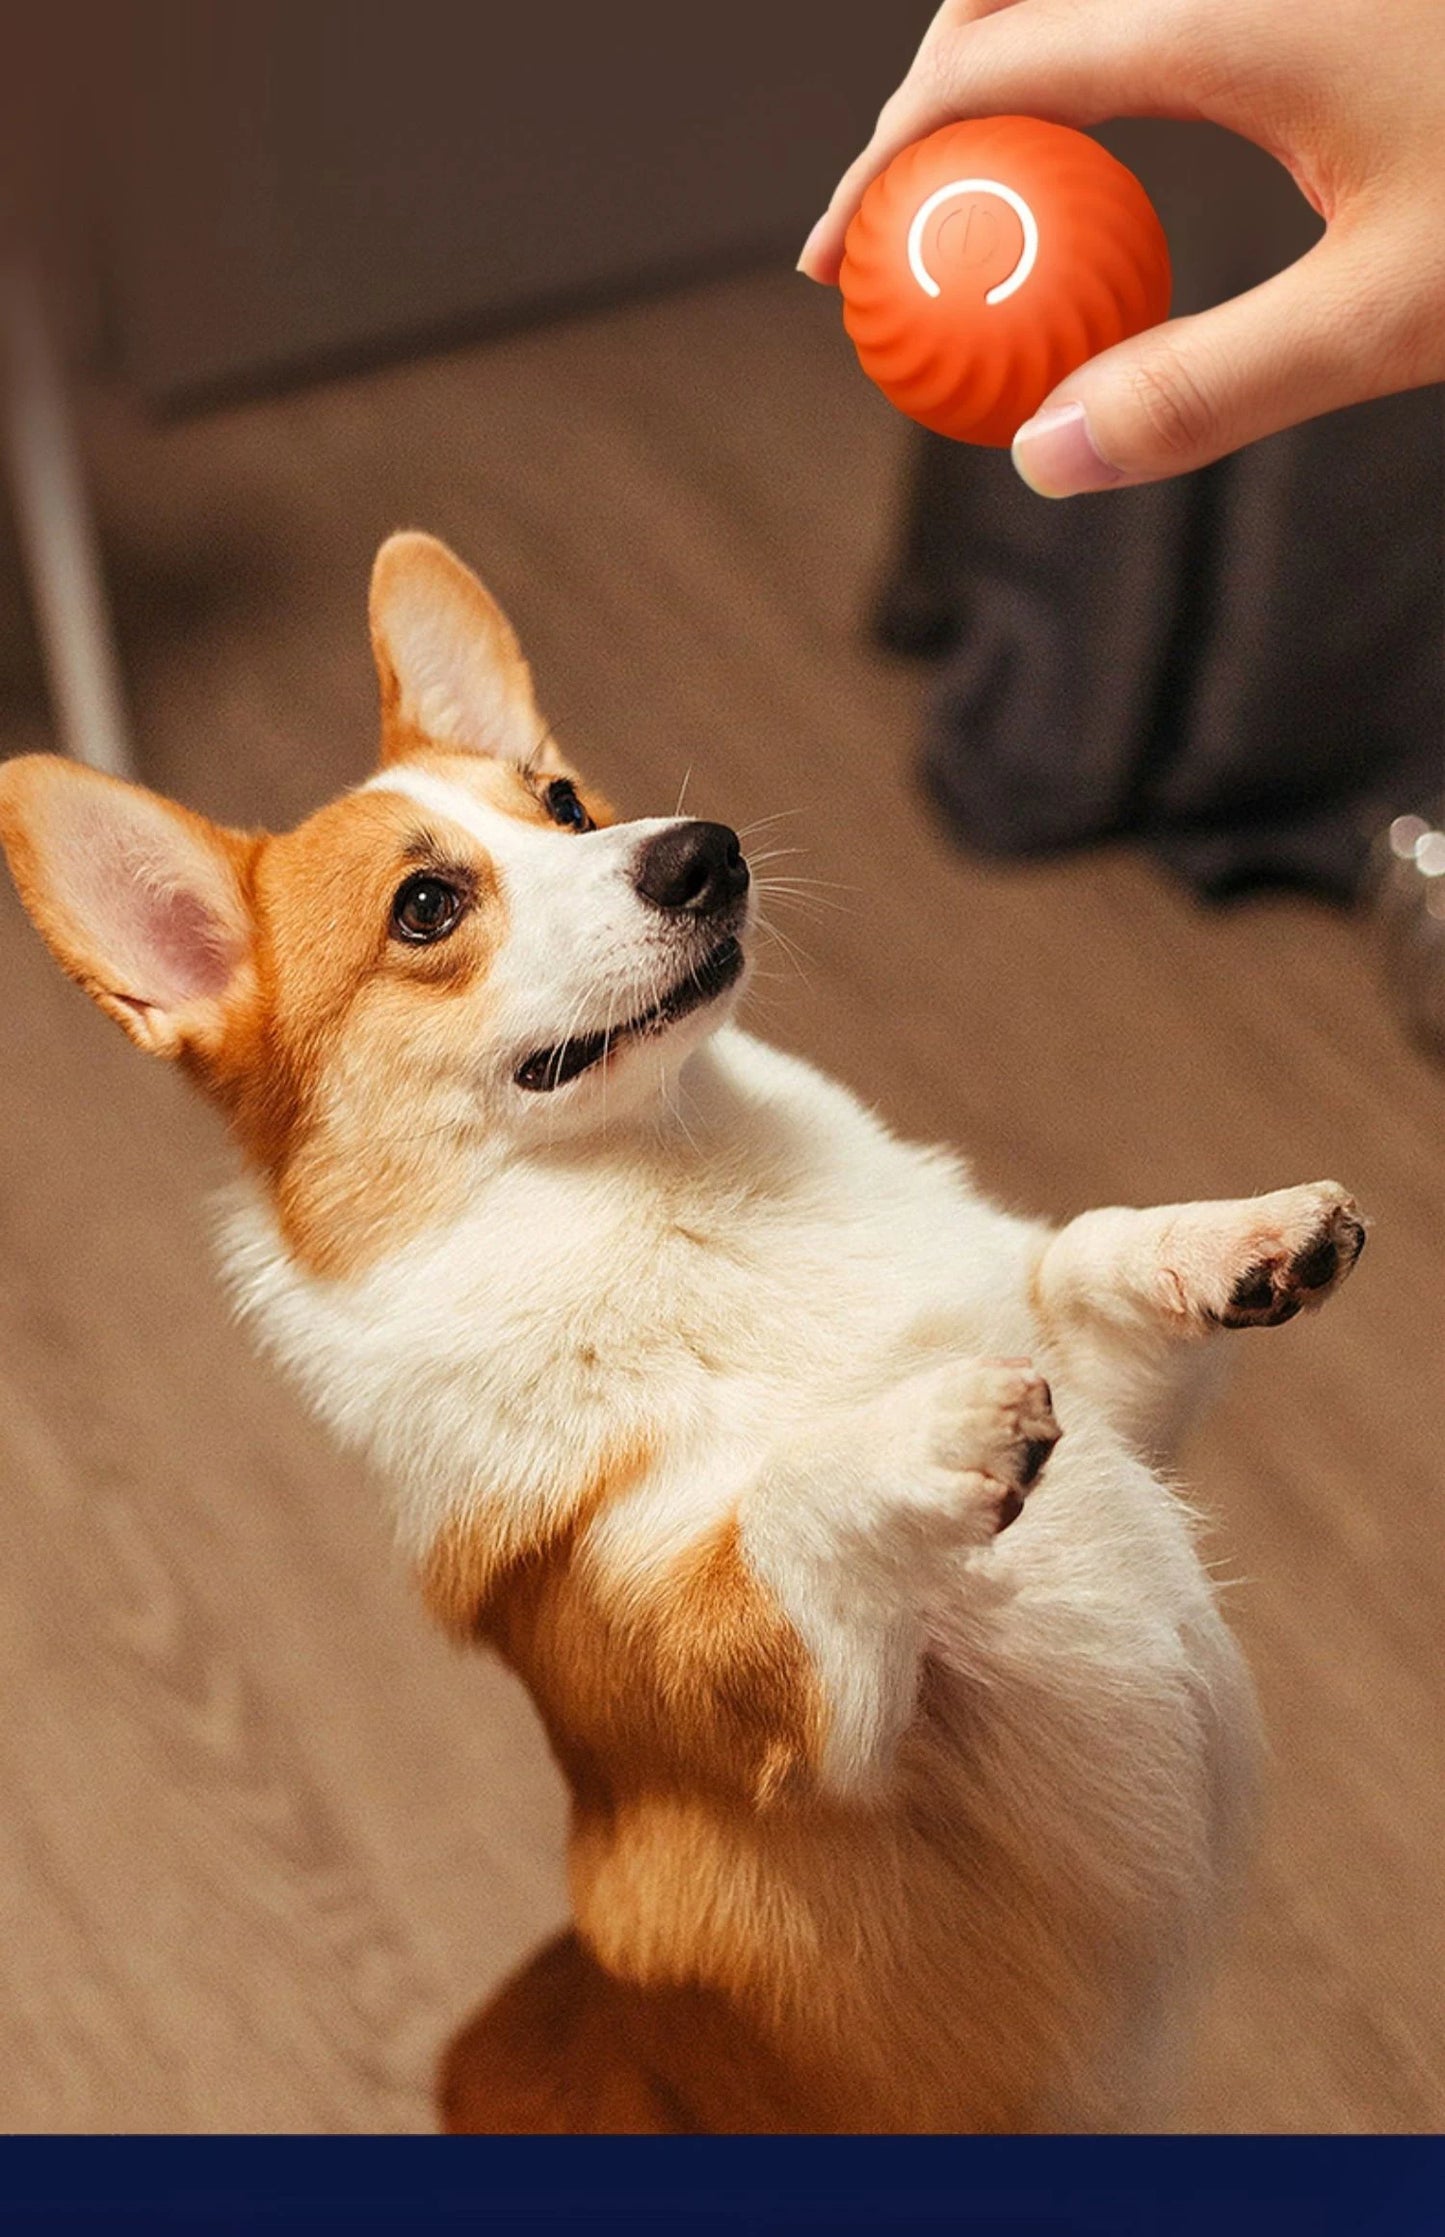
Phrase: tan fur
x=480 y=1554
x=697 y=1683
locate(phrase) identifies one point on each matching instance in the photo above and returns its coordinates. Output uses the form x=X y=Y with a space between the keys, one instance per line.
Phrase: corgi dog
x=910 y=1760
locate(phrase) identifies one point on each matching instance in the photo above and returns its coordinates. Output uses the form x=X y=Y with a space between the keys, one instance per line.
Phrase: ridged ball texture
x=955 y=362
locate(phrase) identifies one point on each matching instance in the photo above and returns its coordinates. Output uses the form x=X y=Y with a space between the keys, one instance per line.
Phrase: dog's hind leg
x=1123 y=1296
x=565 y=2048
x=550 y=2056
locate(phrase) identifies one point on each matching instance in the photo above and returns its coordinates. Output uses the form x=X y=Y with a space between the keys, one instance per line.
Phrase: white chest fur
x=705 y=1288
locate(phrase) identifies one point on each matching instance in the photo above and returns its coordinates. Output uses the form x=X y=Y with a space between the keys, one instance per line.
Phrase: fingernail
x=1055 y=454
x=810 y=244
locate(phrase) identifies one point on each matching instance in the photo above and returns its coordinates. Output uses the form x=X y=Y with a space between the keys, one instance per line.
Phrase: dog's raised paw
x=991 y=1429
x=1314 y=1243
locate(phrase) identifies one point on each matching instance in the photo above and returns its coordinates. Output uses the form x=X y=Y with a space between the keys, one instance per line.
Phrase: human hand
x=1350 y=97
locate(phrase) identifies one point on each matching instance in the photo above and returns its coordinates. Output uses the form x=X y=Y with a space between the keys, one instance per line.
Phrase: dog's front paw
x=983 y=1434
x=1298 y=1249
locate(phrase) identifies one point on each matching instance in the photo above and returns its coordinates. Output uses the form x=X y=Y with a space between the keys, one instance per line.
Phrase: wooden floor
x=263 y=1837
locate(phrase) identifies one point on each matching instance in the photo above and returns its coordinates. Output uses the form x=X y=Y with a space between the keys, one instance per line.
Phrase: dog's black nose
x=694 y=866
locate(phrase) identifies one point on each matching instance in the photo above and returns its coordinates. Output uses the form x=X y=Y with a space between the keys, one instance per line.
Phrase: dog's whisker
x=795 y=894
x=816 y=885
x=801 y=961
x=797 y=891
x=761 y=823
x=808 y=903
x=606 y=1055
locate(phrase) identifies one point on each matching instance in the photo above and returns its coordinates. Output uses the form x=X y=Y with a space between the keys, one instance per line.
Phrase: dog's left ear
x=450 y=668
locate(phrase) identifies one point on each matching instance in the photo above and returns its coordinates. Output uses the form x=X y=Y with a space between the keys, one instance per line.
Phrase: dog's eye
x=564 y=807
x=425 y=908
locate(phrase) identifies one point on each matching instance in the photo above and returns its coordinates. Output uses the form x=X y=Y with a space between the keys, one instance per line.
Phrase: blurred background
x=276 y=279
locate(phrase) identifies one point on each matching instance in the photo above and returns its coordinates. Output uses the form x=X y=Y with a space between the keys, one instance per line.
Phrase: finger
x=1070 y=61
x=1317 y=336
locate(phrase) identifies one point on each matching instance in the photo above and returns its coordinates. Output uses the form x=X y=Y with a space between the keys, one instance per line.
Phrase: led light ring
x=950 y=193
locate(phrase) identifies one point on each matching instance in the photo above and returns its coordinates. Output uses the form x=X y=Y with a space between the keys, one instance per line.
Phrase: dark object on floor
x=1242 y=668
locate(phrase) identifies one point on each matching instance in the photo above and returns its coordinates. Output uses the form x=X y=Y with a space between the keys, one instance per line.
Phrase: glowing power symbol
x=951 y=193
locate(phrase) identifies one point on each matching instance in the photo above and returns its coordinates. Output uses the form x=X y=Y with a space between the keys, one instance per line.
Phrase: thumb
x=1313 y=338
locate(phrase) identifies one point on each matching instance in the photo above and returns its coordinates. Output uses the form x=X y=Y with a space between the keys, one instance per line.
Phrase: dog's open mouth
x=552 y=1068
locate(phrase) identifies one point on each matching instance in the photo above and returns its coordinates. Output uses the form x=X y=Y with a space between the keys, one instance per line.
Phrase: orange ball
x=988 y=261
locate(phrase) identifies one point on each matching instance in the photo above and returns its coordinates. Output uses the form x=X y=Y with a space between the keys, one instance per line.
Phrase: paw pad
x=1273 y=1290
x=1010 y=1507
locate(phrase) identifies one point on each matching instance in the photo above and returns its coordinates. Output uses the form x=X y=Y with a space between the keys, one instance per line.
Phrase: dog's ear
x=450 y=669
x=142 y=902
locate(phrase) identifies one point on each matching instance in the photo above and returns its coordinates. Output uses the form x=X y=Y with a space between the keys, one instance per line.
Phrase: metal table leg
x=57 y=532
